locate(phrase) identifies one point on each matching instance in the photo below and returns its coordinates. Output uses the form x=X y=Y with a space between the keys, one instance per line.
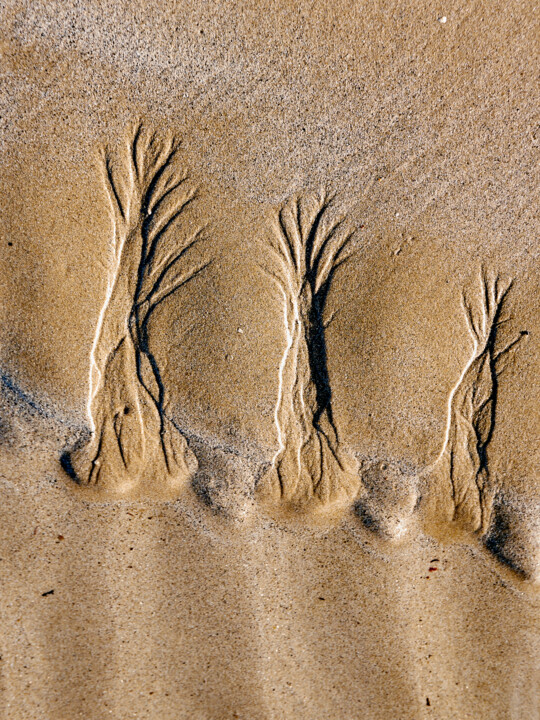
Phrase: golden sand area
x=269 y=399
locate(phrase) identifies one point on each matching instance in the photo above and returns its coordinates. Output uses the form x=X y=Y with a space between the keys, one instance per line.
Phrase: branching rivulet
x=134 y=445
x=472 y=406
x=309 y=463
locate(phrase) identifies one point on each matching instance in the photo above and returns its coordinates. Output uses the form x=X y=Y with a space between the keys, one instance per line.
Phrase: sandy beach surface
x=269 y=354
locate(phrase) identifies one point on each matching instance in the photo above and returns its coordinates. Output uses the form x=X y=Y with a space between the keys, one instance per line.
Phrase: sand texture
x=269 y=360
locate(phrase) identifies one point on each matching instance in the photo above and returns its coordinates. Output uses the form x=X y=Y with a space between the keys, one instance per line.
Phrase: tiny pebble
x=442 y=19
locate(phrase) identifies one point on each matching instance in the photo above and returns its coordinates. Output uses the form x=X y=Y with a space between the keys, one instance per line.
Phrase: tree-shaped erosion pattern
x=463 y=466
x=309 y=246
x=134 y=446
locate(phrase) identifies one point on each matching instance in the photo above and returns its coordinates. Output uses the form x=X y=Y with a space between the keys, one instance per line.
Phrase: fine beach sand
x=269 y=354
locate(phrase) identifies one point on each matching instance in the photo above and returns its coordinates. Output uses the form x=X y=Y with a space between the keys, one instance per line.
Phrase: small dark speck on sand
x=49 y=592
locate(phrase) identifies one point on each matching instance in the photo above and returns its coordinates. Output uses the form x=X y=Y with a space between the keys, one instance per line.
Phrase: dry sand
x=240 y=479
